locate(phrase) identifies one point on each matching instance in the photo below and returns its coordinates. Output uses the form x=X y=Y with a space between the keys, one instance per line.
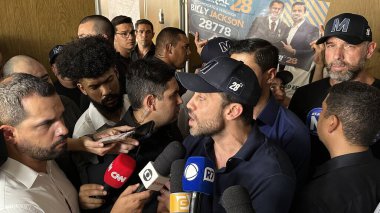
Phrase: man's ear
x=371 y=49
x=8 y=133
x=150 y=102
x=333 y=122
x=233 y=110
x=81 y=88
x=271 y=74
x=169 y=48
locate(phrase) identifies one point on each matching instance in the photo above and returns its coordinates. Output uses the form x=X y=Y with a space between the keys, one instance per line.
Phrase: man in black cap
x=277 y=86
x=348 y=45
x=222 y=129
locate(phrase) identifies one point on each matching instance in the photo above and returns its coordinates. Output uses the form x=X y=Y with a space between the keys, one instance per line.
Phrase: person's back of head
x=168 y=36
x=96 y=25
x=172 y=46
x=25 y=64
x=356 y=105
x=262 y=51
x=88 y=57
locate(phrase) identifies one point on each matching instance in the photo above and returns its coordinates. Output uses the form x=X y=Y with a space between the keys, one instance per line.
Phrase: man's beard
x=103 y=108
x=44 y=154
x=346 y=75
x=207 y=128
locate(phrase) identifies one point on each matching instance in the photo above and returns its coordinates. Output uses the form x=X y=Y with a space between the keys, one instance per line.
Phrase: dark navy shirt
x=148 y=55
x=283 y=127
x=260 y=166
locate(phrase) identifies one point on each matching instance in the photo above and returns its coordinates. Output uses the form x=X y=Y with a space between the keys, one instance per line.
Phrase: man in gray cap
x=222 y=129
x=348 y=45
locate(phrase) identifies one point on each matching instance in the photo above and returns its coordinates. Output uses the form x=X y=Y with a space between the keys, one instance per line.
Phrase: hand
x=319 y=53
x=289 y=48
x=199 y=43
x=128 y=202
x=87 y=190
x=164 y=199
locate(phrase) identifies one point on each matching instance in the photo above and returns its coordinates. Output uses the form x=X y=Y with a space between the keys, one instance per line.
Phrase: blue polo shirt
x=283 y=127
x=260 y=166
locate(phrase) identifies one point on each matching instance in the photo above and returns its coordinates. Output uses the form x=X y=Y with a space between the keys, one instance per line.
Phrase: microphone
x=179 y=200
x=198 y=179
x=235 y=199
x=155 y=174
x=120 y=169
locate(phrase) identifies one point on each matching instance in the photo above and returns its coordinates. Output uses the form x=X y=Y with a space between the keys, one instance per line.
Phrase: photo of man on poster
x=271 y=27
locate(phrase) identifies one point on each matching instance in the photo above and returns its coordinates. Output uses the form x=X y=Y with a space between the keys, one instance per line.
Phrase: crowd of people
x=318 y=155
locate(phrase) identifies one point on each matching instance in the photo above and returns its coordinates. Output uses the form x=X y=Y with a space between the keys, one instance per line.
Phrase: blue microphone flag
x=199 y=175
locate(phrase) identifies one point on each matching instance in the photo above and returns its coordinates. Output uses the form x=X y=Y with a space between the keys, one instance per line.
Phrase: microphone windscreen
x=235 y=199
x=173 y=151
x=120 y=169
x=199 y=175
x=176 y=173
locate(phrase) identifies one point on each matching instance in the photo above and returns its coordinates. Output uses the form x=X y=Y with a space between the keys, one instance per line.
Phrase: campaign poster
x=290 y=25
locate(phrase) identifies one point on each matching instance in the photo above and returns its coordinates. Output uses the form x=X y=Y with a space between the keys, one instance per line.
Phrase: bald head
x=25 y=64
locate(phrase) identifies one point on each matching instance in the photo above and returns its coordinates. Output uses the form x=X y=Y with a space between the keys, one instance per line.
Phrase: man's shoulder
x=195 y=145
x=83 y=125
x=315 y=87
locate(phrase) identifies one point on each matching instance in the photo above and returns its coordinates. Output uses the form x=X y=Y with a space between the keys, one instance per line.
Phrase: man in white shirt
x=34 y=134
x=298 y=52
x=90 y=61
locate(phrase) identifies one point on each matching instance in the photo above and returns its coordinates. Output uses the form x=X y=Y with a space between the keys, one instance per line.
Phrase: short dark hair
x=147 y=77
x=300 y=4
x=88 y=57
x=247 y=114
x=357 y=106
x=168 y=35
x=265 y=54
x=102 y=25
x=121 y=20
x=276 y=1
x=16 y=87
x=144 y=21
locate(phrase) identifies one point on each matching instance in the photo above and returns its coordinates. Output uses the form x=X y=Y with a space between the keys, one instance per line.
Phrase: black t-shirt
x=306 y=103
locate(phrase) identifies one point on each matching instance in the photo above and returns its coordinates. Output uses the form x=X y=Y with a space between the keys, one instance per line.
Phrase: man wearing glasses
x=144 y=37
x=124 y=36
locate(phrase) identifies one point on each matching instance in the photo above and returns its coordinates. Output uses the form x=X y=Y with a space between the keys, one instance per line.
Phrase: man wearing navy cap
x=222 y=129
x=348 y=45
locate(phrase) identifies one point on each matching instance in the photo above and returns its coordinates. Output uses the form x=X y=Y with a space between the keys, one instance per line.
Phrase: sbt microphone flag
x=199 y=175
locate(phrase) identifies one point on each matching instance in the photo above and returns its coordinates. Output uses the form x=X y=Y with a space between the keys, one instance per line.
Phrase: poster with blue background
x=282 y=23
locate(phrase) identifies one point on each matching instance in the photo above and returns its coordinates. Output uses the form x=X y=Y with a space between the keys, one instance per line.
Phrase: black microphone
x=179 y=200
x=155 y=174
x=235 y=199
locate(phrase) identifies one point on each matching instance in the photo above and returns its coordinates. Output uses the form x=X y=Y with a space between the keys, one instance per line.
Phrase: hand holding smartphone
x=139 y=133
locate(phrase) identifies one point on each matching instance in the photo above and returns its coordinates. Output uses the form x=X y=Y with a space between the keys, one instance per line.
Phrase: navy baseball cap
x=285 y=76
x=214 y=48
x=54 y=52
x=227 y=75
x=352 y=28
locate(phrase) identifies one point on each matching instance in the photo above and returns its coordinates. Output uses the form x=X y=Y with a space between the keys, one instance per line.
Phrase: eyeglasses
x=127 y=34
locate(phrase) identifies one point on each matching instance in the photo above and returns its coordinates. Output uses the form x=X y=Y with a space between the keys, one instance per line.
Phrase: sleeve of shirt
x=275 y=195
x=22 y=208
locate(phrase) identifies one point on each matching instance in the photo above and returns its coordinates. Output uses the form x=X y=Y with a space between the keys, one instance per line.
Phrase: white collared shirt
x=24 y=190
x=293 y=31
x=92 y=120
x=270 y=23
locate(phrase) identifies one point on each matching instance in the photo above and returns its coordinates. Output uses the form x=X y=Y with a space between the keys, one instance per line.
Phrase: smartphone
x=139 y=133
